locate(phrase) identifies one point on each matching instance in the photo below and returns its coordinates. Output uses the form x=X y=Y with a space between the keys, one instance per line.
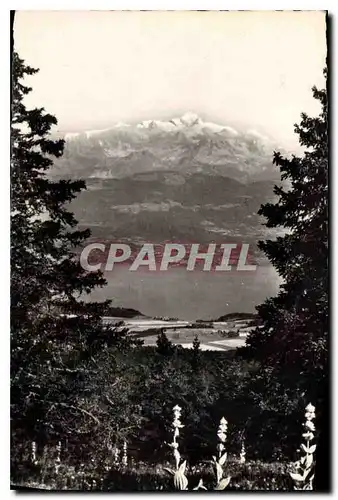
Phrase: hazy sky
x=251 y=69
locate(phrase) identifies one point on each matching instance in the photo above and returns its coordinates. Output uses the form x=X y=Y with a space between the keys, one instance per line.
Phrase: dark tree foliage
x=195 y=354
x=292 y=342
x=53 y=329
x=196 y=344
x=164 y=346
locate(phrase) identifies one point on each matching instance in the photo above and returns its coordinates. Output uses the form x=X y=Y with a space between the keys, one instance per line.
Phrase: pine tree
x=292 y=342
x=195 y=355
x=295 y=323
x=164 y=345
x=196 y=344
x=53 y=329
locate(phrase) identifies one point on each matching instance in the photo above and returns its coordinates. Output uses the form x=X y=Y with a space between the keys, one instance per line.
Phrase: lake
x=188 y=295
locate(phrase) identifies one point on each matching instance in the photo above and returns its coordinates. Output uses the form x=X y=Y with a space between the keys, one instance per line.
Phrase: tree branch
x=80 y=410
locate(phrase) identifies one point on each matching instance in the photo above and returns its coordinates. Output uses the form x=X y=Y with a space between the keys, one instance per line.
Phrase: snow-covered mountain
x=189 y=123
x=186 y=144
x=170 y=180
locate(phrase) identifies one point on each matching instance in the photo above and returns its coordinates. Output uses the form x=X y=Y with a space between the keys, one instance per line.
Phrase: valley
x=212 y=335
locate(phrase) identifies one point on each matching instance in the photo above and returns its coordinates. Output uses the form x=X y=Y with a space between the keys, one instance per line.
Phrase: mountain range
x=183 y=179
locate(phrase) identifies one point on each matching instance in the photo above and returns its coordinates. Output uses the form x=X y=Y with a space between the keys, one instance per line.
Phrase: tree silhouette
x=164 y=346
x=53 y=329
x=292 y=342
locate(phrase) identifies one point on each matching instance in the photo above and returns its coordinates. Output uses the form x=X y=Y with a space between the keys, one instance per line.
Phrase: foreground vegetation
x=53 y=470
x=128 y=396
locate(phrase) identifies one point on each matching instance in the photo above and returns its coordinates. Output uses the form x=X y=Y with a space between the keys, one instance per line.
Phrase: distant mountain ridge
x=186 y=144
x=182 y=179
x=188 y=120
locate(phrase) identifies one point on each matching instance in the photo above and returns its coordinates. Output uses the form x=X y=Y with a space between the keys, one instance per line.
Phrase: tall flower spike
x=180 y=479
x=242 y=454
x=124 y=457
x=58 y=457
x=222 y=433
x=58 y=452
x=116 y=455
x=33 y=453
x=304 y=473
x=222 y=482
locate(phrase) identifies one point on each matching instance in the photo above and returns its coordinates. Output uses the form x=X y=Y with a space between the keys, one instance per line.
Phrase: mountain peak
x=189 y=118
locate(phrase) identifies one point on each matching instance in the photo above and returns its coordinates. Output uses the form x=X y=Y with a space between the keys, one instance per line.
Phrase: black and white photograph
x=169 y=256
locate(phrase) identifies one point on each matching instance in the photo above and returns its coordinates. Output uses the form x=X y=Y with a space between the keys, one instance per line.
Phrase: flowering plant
x=304 y=474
